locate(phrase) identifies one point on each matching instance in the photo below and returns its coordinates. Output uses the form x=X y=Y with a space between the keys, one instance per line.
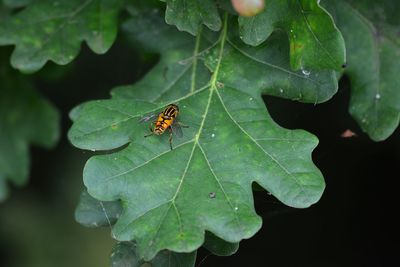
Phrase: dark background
x=352 y=225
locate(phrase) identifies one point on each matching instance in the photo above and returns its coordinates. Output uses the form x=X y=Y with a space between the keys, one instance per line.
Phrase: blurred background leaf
x=373 y=63
x=25 y=118
x=53 y=30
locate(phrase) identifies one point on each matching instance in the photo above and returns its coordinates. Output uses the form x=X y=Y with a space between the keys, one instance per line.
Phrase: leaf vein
x=255 y=141
x=107 y=179
x=272 y=65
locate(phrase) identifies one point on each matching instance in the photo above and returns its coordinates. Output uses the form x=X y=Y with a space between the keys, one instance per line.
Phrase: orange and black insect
x=166 y=120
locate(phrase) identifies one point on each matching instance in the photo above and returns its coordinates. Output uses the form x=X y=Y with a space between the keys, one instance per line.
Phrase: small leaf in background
x=248 y=8
x=25 y=118
x=231 y=142
x=91 y=212
x=373 y=63
x=124 y=255
x=189 y=15
x=218 y=246
x=53 y=30
x=315 y=42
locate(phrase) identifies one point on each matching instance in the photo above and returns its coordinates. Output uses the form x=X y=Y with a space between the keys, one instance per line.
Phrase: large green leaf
x=315 y=42
x=53 y=30
x=373 y=64
x=189 y=15
x=124 y=255
x=25 y=118
x=171 y=198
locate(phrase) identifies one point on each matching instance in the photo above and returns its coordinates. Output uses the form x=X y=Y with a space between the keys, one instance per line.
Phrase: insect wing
x=147 y=117
x=177 y=130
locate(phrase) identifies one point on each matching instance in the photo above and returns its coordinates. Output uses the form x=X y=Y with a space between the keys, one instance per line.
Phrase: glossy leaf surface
x=315 y=42
x=171 y=197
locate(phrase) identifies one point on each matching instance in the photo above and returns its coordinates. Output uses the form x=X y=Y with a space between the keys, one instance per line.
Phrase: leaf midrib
x=213 y=88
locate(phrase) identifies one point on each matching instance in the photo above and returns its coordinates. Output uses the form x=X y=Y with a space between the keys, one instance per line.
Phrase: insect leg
x=170 y=137
x=151 y=130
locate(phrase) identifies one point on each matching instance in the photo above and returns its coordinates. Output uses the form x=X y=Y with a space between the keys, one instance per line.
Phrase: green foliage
x=231 y=143
x=315 y=42
x=91 y=212
x=53 y=30
x=373 y=50
x=189 y=15
x=25 y=118
x=163 y=204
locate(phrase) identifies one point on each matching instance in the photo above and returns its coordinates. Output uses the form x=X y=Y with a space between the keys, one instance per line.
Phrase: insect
x=166 y=120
